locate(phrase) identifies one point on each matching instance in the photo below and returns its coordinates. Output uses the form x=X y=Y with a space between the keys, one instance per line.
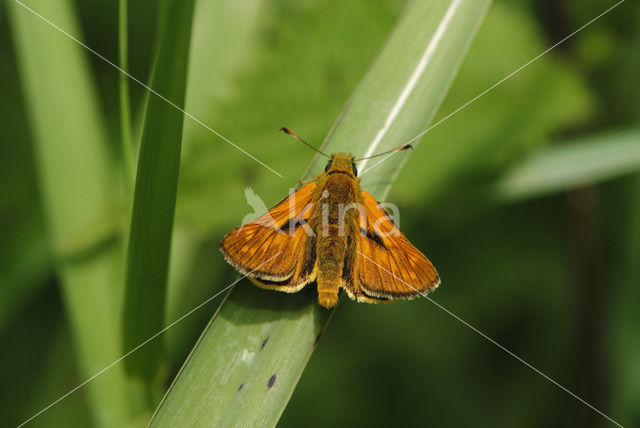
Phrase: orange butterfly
x=333 y=233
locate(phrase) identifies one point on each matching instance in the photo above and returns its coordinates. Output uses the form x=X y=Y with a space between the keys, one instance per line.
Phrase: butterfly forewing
x=270 y=248
x=388 y=265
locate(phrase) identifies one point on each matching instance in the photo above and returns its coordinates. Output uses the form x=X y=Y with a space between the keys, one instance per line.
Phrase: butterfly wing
x=270 y=250
x=304 y=272
x=387 y=265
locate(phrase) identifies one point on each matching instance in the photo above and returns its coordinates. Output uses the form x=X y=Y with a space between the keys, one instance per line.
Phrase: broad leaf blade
x=246 y=365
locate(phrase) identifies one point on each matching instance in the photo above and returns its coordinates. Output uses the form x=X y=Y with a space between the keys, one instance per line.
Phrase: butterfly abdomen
x=330 y=252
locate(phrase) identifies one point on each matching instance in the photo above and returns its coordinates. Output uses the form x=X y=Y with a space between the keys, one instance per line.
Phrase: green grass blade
x=125 y=101
x=572 y=164
x=76 y=186
x=221 y=29
x=623 y=315
x=155 y=191
x=248 y=361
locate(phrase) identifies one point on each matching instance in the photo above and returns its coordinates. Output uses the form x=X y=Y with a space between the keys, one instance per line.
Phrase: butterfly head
x=342 y=162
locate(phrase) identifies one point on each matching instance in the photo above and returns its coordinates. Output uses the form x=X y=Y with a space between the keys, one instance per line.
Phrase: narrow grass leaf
x=624 y=322
x=572 y=164
x=221 y=29
x=155 y=191
x=126 y=145
x=248 y=361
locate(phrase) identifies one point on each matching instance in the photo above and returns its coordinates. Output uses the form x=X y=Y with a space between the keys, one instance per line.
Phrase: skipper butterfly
x=333 y=233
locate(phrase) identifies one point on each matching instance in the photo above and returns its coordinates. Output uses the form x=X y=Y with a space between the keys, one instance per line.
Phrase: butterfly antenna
x=297 y=137
x=388 y=152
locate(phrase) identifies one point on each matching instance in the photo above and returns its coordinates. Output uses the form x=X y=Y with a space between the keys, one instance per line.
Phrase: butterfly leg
x=309 y=180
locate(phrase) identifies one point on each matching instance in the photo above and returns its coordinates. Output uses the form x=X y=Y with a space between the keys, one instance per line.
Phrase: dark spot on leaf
x=272 y=381
x=315 y=342
x=264 y=342
x=240 y=387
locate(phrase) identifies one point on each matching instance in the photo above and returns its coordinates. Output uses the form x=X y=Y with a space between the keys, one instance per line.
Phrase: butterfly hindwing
x=269 y=249
x=304 y=272
x=388 y=266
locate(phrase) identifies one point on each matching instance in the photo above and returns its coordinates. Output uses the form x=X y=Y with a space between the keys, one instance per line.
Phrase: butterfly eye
x=355 y=170
x=327 y=167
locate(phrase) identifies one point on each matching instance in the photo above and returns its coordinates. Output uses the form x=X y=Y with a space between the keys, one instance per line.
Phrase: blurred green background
x=543 y=260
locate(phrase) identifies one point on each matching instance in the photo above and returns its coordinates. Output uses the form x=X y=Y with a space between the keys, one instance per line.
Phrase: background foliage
x=550 y=274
